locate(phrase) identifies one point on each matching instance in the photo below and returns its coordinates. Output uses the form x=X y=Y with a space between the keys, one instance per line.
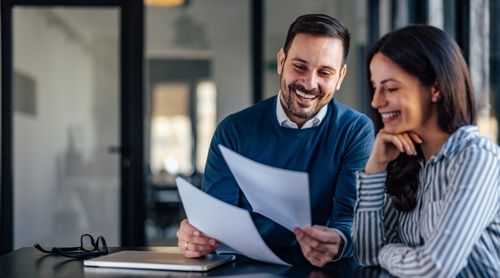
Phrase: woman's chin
x=395 y=129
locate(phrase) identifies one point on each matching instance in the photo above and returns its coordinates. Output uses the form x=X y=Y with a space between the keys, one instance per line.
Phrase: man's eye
x=392 y=90
x=325 y=73
x=299 y=67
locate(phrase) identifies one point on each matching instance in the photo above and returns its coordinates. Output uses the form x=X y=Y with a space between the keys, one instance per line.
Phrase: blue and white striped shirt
x=455 y=228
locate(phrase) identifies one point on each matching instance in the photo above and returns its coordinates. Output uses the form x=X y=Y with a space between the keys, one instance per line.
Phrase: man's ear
x=343 y=73
x=280 y=60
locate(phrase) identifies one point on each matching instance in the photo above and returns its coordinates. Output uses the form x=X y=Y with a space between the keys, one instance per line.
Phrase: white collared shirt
x=284 y=121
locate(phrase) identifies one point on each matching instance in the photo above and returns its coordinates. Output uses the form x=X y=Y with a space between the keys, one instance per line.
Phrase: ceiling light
x=164 y=3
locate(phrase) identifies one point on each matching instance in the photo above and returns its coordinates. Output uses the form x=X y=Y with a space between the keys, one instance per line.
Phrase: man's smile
x=304 y=95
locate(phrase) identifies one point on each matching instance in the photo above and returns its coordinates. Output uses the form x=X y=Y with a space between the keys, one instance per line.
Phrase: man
x=302 y=129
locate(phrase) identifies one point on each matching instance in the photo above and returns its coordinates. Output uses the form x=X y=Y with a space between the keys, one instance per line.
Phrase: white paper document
x=279 y=194
x=230 y=225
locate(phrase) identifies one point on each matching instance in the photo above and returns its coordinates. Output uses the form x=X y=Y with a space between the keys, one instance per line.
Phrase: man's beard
x=289 y=101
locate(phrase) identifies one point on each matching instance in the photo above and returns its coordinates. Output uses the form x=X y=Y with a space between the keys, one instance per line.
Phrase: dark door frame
x=132 y=173
x=257 y=26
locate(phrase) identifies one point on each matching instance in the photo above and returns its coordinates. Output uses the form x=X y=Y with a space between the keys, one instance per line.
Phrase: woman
x=428 y=199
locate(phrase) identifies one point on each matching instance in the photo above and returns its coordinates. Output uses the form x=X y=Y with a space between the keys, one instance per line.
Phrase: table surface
x=29 y=262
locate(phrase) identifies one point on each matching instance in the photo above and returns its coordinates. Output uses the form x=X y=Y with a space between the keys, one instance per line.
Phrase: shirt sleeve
x=469 y=205
x=341 y=252
x=375 y=219
x=355 y=156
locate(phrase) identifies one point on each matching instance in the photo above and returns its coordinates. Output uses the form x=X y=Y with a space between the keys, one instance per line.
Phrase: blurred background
x=105 y=102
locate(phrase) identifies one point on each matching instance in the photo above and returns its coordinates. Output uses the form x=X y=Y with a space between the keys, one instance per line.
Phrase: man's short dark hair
x=319 y=25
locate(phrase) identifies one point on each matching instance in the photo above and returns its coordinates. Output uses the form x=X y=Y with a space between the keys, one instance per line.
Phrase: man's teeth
x=389 y=115
x=305 y=95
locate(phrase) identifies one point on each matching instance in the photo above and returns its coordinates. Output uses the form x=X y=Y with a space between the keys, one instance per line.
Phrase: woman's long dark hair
x=435 y=59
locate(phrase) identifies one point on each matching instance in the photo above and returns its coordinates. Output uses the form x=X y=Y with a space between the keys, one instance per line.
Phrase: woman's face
x=403 y=102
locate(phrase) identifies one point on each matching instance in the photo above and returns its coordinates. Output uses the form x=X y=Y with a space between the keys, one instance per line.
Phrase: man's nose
x=310 y=81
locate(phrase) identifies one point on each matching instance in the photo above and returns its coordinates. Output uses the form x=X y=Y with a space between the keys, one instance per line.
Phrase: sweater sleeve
x=355 y=156
x=217 y=179
x=375 y=219
x=470 y=204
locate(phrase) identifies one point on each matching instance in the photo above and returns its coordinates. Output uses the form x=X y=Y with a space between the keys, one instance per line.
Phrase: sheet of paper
x=279 y=194
x=230 y=225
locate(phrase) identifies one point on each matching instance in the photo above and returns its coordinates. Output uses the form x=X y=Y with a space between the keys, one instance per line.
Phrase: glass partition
x=66 y=118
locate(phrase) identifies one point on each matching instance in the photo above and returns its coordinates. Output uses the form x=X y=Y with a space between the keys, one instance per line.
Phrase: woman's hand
x=387 y=147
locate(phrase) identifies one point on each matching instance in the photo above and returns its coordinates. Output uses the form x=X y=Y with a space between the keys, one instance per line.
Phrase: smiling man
x=303 y=129
x=310 y=76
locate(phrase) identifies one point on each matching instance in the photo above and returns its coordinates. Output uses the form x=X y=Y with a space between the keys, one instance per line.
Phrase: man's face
x=310 y=74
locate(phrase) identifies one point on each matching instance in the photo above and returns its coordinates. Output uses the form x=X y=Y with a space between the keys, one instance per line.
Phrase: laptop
x=158 y=261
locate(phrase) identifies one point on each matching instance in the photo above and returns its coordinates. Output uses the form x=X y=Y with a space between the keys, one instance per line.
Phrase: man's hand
x=319 y=244
x=193 y=243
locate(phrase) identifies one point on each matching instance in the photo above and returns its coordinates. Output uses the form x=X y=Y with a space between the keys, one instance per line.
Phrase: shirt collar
x=284 y=121
x=457 y=141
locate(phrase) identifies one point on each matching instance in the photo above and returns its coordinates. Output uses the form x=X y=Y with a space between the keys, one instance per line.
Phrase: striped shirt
x=455 y=228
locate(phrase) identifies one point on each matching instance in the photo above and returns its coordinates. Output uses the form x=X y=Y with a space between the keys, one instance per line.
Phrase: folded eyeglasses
x=88 y=248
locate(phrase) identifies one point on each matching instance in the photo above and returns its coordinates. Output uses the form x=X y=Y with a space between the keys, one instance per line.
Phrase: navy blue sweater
x=331 y=153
